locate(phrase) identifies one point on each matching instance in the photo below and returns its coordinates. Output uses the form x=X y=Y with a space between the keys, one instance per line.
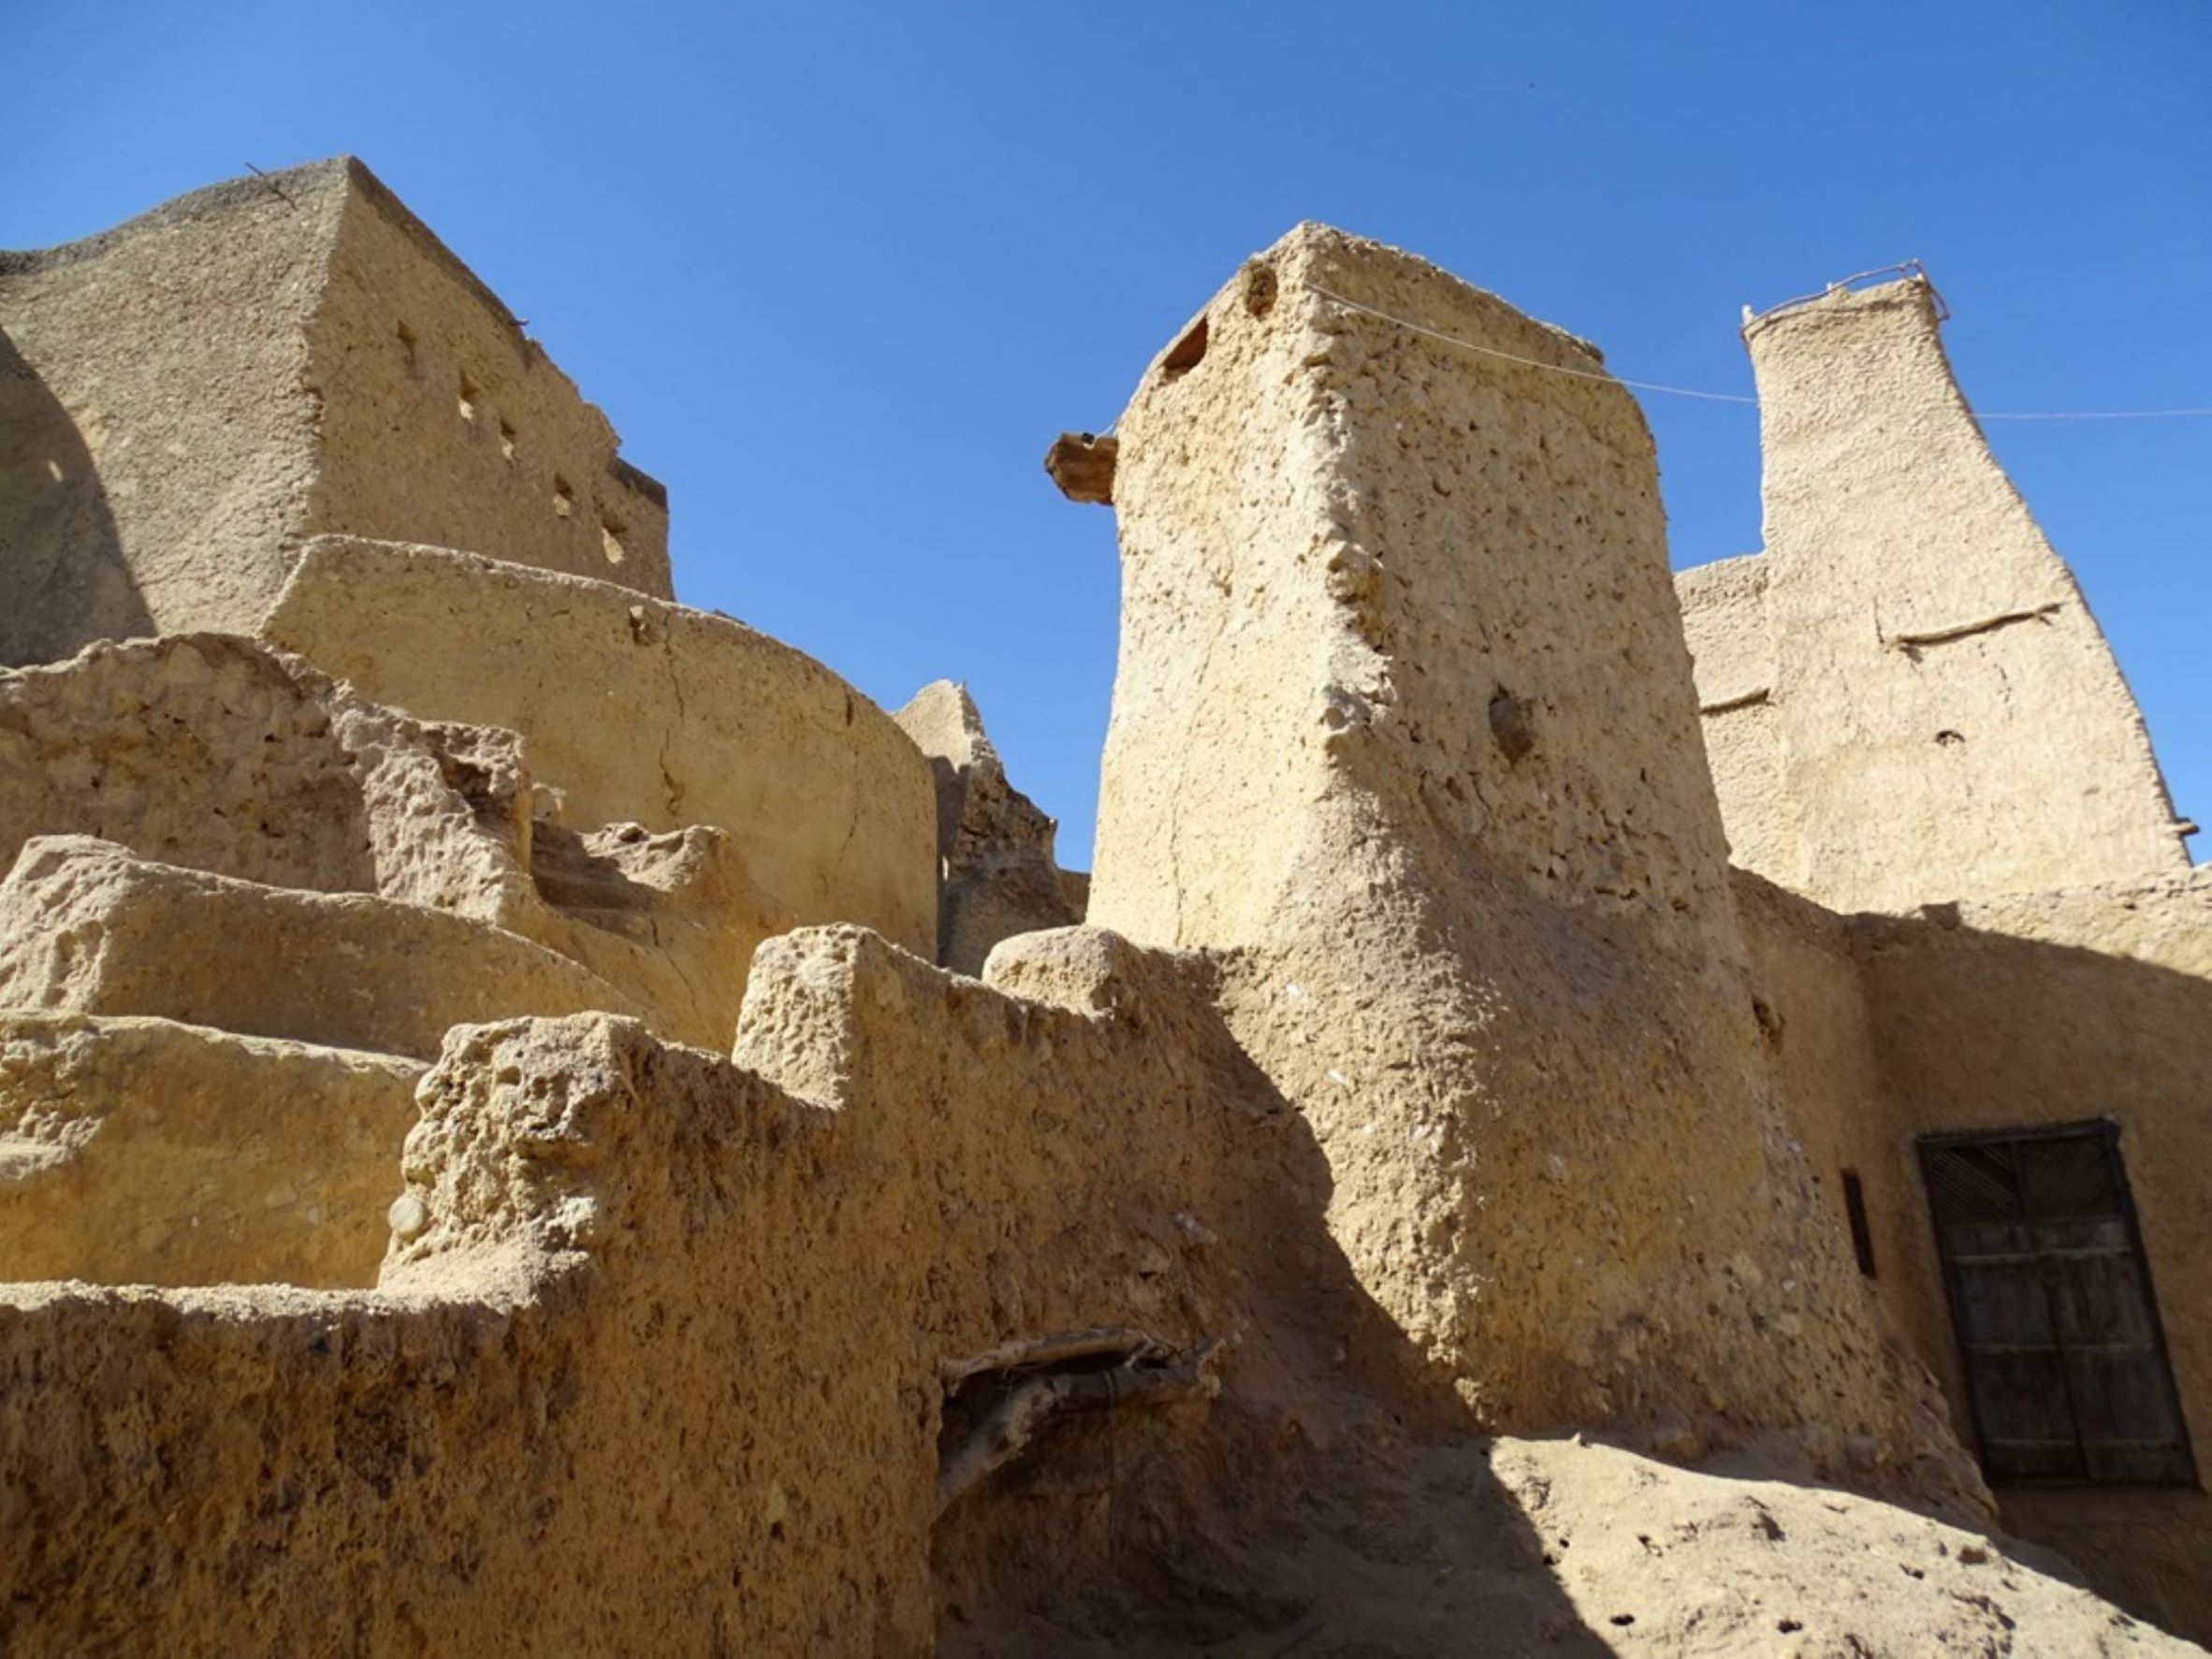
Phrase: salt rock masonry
x=191 y=396
x=994 y=849
x=535 y=1119
x=1905 y=687
x=1397 y=648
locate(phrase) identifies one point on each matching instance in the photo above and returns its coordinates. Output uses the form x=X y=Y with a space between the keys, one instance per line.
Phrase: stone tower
x=1404 y=728
x=1906 y=696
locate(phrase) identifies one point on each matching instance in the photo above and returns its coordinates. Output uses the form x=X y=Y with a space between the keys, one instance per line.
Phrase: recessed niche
x=564 y=498
x=1187 y=353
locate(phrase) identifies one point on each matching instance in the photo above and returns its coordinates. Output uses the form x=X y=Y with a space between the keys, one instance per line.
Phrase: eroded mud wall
x=1404 y=726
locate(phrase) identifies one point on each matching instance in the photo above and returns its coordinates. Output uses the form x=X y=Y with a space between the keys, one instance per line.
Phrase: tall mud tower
x=1947 y=717
x=1405 y=731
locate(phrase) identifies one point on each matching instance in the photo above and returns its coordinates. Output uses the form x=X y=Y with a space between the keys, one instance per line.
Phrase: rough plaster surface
x=677 y=1324
x=217 y=753
x=87 y=928
x=655 y=1316
x=1403 y=721
x=226 y=756
x=159 y=478
x=2005 y=1013
x=635 y=710
x=140 y=1151
x=994 y=848
x=1732 y=652
x=1451 y=1083
x=1944 y=718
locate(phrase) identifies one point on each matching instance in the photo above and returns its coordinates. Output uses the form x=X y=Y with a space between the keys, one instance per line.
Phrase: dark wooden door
x=2051 y=1299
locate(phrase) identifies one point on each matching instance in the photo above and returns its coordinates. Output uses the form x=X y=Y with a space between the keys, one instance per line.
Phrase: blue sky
x=838 y=274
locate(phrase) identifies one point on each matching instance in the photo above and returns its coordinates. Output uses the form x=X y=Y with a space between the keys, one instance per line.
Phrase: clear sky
x=838 y=274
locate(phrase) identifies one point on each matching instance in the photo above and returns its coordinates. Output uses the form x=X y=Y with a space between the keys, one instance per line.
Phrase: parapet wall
x=341 y=372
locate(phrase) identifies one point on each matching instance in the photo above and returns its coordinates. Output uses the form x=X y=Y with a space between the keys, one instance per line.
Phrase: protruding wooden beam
x=1082 y=466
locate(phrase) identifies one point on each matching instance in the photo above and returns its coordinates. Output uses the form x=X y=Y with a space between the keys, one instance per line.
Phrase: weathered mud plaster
x=1403 y=725
x=222 y=755
x=87 y=928
x=140 y=1151
x=650 y=1314
x=1944 y=719
x=994 y=849
x=2006 y=1013
x=636 y=710
x=1463 y=1114
x=340 y=370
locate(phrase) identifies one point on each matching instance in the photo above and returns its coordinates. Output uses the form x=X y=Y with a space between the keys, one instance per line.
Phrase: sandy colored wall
x=2003 y=1014
x=642 y=711
x=158 y=443
x=1723 y=609
x=1825 y=1045
x=185 y=398
x=1951 y=722
x=2059 y=1007
x=997 y=877
x=654 y=1365
x=1403 y=722
x=445 y=423
x=144 y=1152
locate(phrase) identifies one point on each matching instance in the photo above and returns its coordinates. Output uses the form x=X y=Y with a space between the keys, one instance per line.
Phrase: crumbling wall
x=161 y=478
x=639 y=711
x=648 y=1315
x=997 y=877
x=218 y=754
x=1403 y=723
x=212 y=752
x=1945 y=716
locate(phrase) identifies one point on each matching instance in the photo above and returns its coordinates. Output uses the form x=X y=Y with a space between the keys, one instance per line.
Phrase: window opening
x=1855 y=1210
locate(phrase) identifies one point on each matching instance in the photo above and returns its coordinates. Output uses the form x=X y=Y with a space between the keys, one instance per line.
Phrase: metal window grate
x=2051 y=1299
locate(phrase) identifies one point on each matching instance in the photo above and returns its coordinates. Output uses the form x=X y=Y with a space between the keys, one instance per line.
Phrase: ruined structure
x=536 y=1119
x=191 y=396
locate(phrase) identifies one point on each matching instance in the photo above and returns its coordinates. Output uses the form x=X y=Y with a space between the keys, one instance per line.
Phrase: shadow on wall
x=1990 y=1031
x=1330 y=1494
x=62 y=579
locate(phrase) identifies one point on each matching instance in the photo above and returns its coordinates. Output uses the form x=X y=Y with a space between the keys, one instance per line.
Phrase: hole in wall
x=1187 y=353
x=466 y=395
x=1948 y=738
x=1512 y=724
x=610 y=538
x=564 y=498
x=1259 y=287
x=507 y=439
x=406 y=339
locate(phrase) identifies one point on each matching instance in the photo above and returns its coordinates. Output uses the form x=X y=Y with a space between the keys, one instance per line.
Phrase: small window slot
x=1854 y=1211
